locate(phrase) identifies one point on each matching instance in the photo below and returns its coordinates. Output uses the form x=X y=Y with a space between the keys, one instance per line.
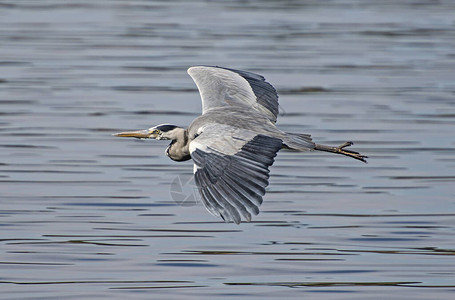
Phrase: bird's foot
x=350 y=153
x=341 y=150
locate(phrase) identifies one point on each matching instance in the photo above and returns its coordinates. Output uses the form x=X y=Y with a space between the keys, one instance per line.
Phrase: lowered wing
x=232 y=170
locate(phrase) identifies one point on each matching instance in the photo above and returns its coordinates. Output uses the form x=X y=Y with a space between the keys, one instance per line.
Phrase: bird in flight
x=234 y=142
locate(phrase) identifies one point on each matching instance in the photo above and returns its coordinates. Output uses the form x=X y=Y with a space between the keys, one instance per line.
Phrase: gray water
x=86 y=215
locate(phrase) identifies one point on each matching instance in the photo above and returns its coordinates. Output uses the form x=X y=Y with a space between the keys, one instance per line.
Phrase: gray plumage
x=234 y=142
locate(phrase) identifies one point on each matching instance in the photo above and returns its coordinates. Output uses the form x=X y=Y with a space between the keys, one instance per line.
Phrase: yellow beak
x=139 y=134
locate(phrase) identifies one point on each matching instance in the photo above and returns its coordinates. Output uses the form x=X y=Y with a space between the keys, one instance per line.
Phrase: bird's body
x=233 y=118
x=234 y=142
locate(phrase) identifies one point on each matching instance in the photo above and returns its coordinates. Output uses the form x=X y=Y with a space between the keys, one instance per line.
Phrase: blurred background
x=87 y=215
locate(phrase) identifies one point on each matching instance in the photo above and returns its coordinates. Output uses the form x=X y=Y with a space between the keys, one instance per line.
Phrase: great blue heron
x=234 y=142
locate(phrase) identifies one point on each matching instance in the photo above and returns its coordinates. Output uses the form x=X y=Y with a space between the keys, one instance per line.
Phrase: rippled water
x=85 y=215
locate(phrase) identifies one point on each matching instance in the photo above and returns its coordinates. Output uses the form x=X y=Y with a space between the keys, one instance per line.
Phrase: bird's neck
x=178 y=149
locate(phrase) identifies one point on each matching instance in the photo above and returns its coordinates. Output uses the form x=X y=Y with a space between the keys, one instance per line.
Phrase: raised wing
x=232 y=170
x=221 y=87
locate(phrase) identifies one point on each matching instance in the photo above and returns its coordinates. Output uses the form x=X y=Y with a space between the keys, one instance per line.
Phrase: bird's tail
x=298 y=142
x=303 y=142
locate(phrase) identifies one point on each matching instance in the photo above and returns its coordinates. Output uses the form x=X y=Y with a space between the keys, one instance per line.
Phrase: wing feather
x=232 y=184
x=220 y=87
x=228 y=188
x=223 y=192
x=212 y=206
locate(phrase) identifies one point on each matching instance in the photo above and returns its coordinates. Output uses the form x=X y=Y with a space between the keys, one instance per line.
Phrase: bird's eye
x=156 y=131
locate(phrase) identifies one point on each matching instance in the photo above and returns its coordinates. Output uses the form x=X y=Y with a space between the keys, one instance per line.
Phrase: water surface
x=87 y=215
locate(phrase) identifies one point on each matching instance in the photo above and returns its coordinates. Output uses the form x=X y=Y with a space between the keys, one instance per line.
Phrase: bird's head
x=159 y=132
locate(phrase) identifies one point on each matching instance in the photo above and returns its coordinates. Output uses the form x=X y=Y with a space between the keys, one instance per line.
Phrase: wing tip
x=191 y=69
x=195 y=68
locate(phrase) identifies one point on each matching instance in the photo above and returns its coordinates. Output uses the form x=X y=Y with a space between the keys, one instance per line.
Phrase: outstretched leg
x=340 y=150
